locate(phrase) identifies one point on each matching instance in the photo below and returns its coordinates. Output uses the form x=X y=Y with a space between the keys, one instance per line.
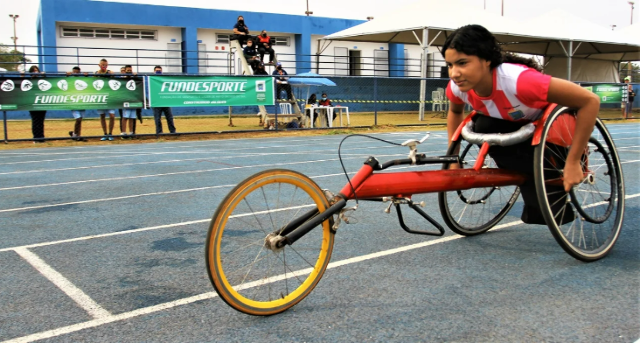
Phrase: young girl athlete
x=509 y=91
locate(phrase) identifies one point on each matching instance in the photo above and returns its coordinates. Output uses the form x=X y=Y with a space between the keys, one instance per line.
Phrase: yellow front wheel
x=246 y=269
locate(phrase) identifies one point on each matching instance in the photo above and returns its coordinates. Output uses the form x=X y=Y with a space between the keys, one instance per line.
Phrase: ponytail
x=475 y=40
x=508 y=57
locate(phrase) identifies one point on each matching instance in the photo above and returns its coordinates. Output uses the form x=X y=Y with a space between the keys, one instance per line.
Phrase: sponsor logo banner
x=609 y=93
x=70 y=93
x=195 y=91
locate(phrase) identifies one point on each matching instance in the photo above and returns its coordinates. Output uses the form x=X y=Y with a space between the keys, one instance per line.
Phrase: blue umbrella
x=310 y=79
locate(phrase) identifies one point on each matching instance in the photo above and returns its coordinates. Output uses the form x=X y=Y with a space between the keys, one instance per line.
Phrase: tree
x=10 y=59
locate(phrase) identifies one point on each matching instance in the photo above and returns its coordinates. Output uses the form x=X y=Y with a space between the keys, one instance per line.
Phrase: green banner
x=195 y=91
x=70 y=93
x=609 y=93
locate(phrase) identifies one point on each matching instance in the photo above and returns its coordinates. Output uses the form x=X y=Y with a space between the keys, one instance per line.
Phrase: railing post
x=78 y=56
x=6 y=138
x=137 y=62
x=375 y=101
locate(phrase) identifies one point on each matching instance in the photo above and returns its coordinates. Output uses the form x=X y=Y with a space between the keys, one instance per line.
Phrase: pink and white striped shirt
x=519 y=93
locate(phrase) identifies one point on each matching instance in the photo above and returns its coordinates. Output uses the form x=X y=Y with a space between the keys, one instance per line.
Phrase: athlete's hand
x=572 y=175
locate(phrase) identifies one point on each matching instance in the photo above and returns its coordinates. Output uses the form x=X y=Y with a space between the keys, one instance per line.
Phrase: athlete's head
x=471 y=52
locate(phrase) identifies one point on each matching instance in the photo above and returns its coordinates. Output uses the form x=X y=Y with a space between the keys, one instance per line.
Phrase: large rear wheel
x=586 y=222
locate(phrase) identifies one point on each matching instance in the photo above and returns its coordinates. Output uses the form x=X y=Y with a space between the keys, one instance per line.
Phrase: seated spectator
x=251 y=55
x=325 y=102
x=260 y=70
x=312 y=100
x=264 y=46
x=282 y=82
x=240 y=31
x=77 y=114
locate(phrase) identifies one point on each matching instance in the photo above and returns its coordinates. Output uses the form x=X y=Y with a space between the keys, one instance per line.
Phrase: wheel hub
x=272 y=241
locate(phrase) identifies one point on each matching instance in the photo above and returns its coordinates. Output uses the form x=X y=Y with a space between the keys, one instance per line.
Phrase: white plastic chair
x=436 y=97
x=285 y=108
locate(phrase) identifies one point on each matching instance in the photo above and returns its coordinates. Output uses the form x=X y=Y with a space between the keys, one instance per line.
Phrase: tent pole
x=423 y=71
x=570 y=56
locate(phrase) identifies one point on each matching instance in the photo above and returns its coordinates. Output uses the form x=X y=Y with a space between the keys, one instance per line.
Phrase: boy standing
x=129 y=114
x=104 y=65
x=77 y=114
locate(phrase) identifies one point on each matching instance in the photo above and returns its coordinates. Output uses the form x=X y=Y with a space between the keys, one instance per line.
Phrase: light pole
x=631 y=3
x=308 y=13
x=15 y=37
x=502 y=8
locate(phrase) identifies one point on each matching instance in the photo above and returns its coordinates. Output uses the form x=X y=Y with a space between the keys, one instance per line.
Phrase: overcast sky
x=601 y=12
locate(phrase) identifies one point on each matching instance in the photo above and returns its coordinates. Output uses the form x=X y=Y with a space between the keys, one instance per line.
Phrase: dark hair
x=312 y=98
x=240 y=16
x=76 y=68
x=128 y=66
x=104 y=60
x=475 y=40
x=33 y=68
x=156 y=67
x=324 y=93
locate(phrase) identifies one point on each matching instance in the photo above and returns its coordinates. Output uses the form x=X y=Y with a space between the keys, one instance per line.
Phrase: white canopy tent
x=551 y=35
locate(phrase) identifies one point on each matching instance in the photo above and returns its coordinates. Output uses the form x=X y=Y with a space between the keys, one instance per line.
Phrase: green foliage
x=10 y=59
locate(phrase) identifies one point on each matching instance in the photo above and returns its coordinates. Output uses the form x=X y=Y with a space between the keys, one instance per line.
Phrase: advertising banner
x=609 y=93
x=70 y=93
x=195 y=91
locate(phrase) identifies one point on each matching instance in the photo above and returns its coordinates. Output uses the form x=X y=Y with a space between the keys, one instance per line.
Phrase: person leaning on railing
x=104 y=70
x=282 y=81
x=37 y=117
x=157 y=111
x=77 y=114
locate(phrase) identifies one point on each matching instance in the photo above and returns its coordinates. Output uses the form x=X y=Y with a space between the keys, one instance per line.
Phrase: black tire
x=588 y=225
x=255 y=277
x=474 y=211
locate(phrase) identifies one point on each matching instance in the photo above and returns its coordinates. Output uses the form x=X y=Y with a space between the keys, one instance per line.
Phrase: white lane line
x=168 y=305
x=166 y=174
x=124 y=232
x=115 y=198
x=82 y=299
x=201 y=158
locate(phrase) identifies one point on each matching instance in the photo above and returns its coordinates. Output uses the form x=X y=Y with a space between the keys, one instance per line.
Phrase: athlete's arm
x=569 y=94
x=455 y=116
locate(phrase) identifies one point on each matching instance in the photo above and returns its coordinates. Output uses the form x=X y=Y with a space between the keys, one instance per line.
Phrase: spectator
x=122 y=70
x=241 y=31
x=264 y=46
x=157 y=111
x=129 y=114
x=325 y=102
x=104 y=65
x=251 y=55
x=312 y=102
x=77 y=114
x=260 y=70
x=630 y=97
x=37 y=117
x=282 y=82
